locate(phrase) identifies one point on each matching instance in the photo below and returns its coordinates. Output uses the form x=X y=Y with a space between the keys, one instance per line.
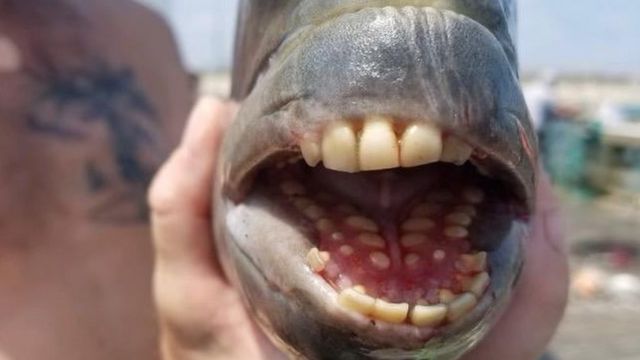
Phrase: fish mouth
x=394 y=222
x=380 y=204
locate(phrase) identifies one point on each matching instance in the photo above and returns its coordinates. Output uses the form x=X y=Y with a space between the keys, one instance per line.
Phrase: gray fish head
x=373 y=192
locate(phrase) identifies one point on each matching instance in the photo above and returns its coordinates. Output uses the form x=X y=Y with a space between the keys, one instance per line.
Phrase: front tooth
x=461 y=306
x=455 y=151
x=391 y=313
x=356 y=301
x=428 y=315
x=310 y=152
x=378 y=145
x=420 y=144
x=340 y=147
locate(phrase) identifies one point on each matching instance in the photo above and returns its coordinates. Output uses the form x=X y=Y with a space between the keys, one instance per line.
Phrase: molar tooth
x=360 y=288
x=317 y=260
x=476 y=262
x=455 y=151
x=314 y=212
x=446 y=296
x=456 y=232
x=461 y=306
x=426 y=209
x=439 y=255
x=420 y=144
x=373 y=240
x=362 y=223
x=413 y=239
x=478 y=284
x=302 y=203
x=378 y=145
x=459 y=218
x=389 y=312
x=325 y=225
x=311 y=152
x=380 y=260
x=340 y=147
x=473 y=195
x=467 y=209
x=428 y=315
x=411 y=260
x=418 y=224
x=291 y=188
x=356 y=301
x=346 y=250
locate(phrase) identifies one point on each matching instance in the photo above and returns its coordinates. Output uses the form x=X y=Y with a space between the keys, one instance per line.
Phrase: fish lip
x=482 y=104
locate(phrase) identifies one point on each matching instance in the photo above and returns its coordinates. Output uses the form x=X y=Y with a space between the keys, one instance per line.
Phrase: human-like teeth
x=418 y=224
x=317 y=260
x=411 y=260
x=446 y=296
x=456 y=232
x=467 y=209
x=356 y=301
x=325 y=225
x=426 y=209
x=461 y=306
x=473 y=195
x=378 y=145
x=459 y=218
x=439 y=255
x=302 y=203
x=455 y=151
x=346 y=250
x=313 y=212
x=391 y=313
x=421 y=144
x=413 y=239
x=311 y=151
x=370 y=239
x=428 y=315
x=478 y=284
x=474 y=263
x=340 y=147
x=362 y=223
x=380 y=260
x=292 y=188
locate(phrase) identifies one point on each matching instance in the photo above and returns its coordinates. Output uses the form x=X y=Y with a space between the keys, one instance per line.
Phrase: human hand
x=202 y=317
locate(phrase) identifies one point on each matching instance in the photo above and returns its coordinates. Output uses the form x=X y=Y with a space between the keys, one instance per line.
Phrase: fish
x=373 y=194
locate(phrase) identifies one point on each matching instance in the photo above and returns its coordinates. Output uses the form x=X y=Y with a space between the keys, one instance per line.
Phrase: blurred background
x=580 y=64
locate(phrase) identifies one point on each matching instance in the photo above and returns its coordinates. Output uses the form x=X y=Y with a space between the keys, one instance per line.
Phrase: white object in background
x=204 y=29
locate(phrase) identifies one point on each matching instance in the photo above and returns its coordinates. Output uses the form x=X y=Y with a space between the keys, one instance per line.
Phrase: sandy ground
x=601 y=327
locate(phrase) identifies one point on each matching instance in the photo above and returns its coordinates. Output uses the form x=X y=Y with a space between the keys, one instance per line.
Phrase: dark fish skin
x=301 y=64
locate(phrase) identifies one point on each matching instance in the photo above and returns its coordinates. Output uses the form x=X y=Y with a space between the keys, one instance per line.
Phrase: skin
x=75 y=257
x=201 y=315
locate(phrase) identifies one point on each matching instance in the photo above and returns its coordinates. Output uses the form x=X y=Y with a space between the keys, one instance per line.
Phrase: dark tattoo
x=73 y=104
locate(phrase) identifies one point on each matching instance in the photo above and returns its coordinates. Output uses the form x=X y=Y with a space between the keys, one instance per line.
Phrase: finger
x=180 y=196
x=527 y=326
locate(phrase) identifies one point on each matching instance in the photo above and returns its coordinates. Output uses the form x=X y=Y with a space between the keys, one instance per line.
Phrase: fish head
x=373 y=193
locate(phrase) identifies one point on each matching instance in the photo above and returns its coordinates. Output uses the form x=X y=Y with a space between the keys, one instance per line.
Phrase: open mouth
x=397 y=217
x=374 y=190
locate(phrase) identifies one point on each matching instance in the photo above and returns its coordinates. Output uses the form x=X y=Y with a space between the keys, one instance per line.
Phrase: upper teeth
x=377 y=147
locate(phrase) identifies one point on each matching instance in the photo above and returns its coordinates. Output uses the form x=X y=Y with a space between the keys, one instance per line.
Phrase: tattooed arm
x=92 y=97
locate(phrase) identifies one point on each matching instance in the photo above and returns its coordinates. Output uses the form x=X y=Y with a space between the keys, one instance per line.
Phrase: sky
x=596 y=36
